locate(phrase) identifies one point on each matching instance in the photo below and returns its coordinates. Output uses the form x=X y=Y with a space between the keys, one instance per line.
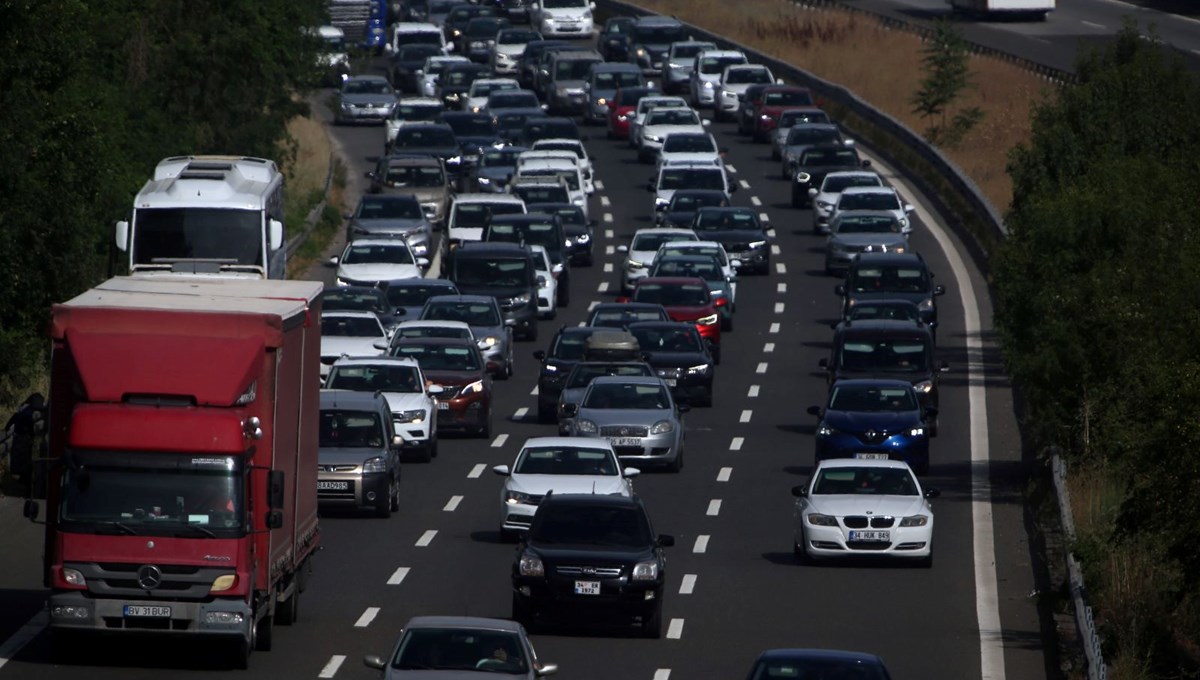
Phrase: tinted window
x=712 y=220
x=478 y=214
x=350 y=429
x=470 y=313
x=414 y=294
x=689 y=144
x=834 y=184
x=466 y=126
x=667 y=339
x=903 y=356
x=415 y=176
x=378 y=254
x=408 y=137
x=351 y=327
x=869 y=481
x=500 y=273
x=672 y=295
x=460 y=649
x=889 y=279
x=382 y=378
x=871 y=398
x=423 y=331
x=638 y=396
x=692 y=178
x=440 y=357
x=592 y=525
x=881 y=200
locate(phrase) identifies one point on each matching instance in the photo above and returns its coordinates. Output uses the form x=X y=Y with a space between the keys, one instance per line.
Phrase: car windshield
x=569 y=214
x=583 y=374
x=478 y=214
x=791 y=118
x=345 y=429
x=807 y=135
x=399 y=208
x=509 y=99
x=892 y=311
x=493 y=273
x=872 y=200
x=566 y=460
x=624 y=527
x=643 y=242
x=482 y=88
x=788 y=98
x=672 y=295
x=408 y=138
x=835 y=184
x=672 y=117
x=753 y=76
x=415 y=294
x=366 y=87
x=415 y=176
x=542 y=193
x=816 y=669
x=637 y=396
x=443 y=6
x=659 y=34
x=866 y=224
x=439 y=357
x=869 y=481
x=471 y=313
x=716 y=65
x=709 y=271
x=619 y=318
x=666 y=339
x=692 y=178
x=420 y=330
x=375 y=378
x=506 y=158
x=725 y=220
x=351 y=327
x=349 y=300
x=471 y=126
x=684 y=201
x=571 y=176
x=424 y=38
x=689 y=51
x=517 y=37
x=564 y=4
x=573 y=69
x=834 y=157
x=889 y=279
x=397 y=253
x=611 y=81
x=689 y=144
x=531 y=233
x=417 y=112
x=418 y=52
x=460 y=649
x=901 y=355
x=871 y=398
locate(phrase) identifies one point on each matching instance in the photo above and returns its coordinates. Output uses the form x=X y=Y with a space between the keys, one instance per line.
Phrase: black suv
x=505 y=271
x=891 y=276
x=816 y=162
x=566 y=350
x=587 y=556
x=899 y=350
x=536 y=229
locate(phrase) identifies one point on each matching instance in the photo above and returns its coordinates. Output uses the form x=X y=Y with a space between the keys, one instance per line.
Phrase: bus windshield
x=163 y=236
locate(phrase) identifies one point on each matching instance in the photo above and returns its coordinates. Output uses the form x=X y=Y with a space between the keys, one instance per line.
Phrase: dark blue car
x=872 y=418
x=817 y=663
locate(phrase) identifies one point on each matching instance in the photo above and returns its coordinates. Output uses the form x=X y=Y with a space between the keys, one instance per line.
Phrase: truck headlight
x=645 y=571
x=531 y=565
x=376 y=464
x=223 y=618
x=73 y=576
x=223 y=583
x=412 y=416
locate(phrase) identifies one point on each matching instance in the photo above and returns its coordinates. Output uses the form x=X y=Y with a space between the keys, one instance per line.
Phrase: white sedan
x=661 y=122
x=349 y=334
x=825 y=198
x=863 y=507
x=366 y=262
x=562 y=465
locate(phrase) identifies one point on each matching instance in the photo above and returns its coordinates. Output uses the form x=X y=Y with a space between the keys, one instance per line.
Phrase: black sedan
x=741 y=233
x=678 y=355
x=361 y=299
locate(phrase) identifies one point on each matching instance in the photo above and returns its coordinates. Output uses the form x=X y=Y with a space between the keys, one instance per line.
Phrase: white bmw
x=863 y=507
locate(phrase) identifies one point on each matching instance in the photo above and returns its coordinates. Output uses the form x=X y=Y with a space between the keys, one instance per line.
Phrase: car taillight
x=720 y=302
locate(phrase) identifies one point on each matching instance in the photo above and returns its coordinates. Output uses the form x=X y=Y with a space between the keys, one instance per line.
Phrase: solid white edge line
x=724 y=474
x=701 y=544
x=714 y=507
x=398 y=576
x=426 y=538
x=14 y=644
x=452 y=504
x=476 y=471
x=331 y=668
x=689 y=584
x=675 y=629
x=367 y=617
x=499 y=440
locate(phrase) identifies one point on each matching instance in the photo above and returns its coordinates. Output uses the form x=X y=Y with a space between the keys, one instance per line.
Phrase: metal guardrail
x=1090 y=636
x=314 y=215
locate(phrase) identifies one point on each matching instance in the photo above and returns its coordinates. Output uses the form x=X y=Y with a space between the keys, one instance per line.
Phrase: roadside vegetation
x=92 y=96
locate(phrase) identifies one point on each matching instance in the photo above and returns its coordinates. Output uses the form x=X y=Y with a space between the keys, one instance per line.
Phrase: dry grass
x=883 y=66
x=307 y=171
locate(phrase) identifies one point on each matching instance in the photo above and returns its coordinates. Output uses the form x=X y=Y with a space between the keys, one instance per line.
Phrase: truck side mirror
x=275 y=237
x=275 y=490
x=275 y=519
x=122 y=235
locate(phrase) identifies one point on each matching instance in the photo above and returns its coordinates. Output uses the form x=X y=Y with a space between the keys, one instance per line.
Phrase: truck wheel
x=288 y=611
x=264 y=637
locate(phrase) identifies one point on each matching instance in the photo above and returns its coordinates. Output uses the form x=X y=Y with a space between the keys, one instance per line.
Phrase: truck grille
x=624 y=431
x=167 y=581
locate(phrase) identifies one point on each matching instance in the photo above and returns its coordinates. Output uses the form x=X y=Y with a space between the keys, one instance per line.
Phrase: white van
x=561 y=18
x=414 y=33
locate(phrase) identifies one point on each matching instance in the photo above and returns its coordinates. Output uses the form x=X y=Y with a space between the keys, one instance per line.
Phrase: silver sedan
x=637 y=416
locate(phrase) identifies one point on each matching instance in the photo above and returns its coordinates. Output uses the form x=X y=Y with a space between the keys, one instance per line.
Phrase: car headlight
x=376 y=464
x=641 y=52
x=513 y=497
x=825 y=431
x=803 y=177
x=601 y=102
x=651 y=138
x=707 y=320
x=583 y=238
x=645 y=571
x=903 y=221
x=419 y=249
x=456 y=32
x=586 y=426
x=924 y=387
x=341 y=282
x=662 y=427
x=825 y=206
x=489 y=341
x=522 y=299
x=673 y=65
x=916 y=432
x=412 y=416
x=531 y=565
x=474 y=388
x=484 y=182
x=453 y=96
x=346 y=106
x=820 y=520
x=454 y=160
x=708 y=85
x=632 y=264
x=914 y=521
x=550 y=368
x=925 y=305
x=755 y=245
x=697 y=370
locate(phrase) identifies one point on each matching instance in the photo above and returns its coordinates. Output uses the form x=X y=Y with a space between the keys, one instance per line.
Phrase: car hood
x=736 y=88
x=892 y=241
x=510 y=50
x=841 y=505
x=691 y=156
x=406 y=401
x=376 y=271
x=645 y=256
x=689 y=313
x=351 y=455
x=390 y=223
x=624 y=416
x=859 y=421
x=575 y=13
x=453 y=378
x=589 y=554
x=560 y=484
x=675 y=359
x=337 y=345
x=572 y=84
x=474 y=143
x=374 y=99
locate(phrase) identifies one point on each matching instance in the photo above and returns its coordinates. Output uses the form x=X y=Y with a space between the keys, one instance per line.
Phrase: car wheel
x=523 y=613
x=383 y=507
x=716 y=354
x=677 y=464
x=707 y=400
x=652 y=623
x=485 y=432
x=564 y=294
x=776 y=157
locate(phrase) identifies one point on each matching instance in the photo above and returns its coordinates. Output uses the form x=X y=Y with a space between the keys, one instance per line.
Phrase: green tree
x=947 y=73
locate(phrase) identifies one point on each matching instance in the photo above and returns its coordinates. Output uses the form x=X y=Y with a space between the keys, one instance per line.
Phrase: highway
x=734 y=588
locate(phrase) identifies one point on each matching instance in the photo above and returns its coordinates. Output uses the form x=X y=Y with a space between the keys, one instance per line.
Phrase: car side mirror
x=683 y=408
x=799 y=491
x=823 y=364
x=275 y=237
x=397 y=441
x=932 y=493
x=839 y=289
x=939 y=290
x=380 y=345
x=501 y=470
x=944 y=367
x=666 y=540
x=540 y=355
x=866 y=163
x=422 y=261
x=631 y=472
x=908 y=207
x=570 y=410
x=333 y=261
x=814 y=411
x=813 y=193
x=704 y=122
x=374 y=661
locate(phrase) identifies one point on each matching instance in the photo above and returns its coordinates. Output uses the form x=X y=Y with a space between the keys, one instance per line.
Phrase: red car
x=465 y=402
x=685 y=299
x=774 y=101
x=622 y=108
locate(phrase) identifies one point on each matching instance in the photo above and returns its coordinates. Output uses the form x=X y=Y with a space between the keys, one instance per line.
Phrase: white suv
x=402 y=383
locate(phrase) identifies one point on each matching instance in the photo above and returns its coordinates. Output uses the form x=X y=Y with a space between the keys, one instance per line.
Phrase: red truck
x=181 y=481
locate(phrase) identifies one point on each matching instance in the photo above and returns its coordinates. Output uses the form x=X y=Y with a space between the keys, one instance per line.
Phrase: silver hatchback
x=637 y=415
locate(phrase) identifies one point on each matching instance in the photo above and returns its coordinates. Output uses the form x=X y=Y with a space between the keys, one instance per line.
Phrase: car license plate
x=883 y=536
x=871 y=456
x=443 y=406
x=671 y=382
x=333 y=486
x=143 y=610
x=587 y=587
x=624 y=441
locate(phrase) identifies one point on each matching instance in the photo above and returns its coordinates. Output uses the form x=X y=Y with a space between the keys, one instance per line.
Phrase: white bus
x=1002 y=8
x=208 y=215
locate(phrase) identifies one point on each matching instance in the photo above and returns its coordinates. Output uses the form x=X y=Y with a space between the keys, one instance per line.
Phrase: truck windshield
x=153 y=494
x=166 y=235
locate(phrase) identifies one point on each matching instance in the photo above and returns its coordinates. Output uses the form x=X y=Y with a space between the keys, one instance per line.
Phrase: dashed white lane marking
x=477 y=471
x=701 y=544
x=779 y=307
x=599 y=185
x=608 y=267
x=736 y=443
x=771 y=231
x=732 y=170
x=608 y=218
x=499 y=440
x=520 y=413
x=331 y=668
x=781 y=287
x=662 y=674
x=591 y=307
x=426 y=538
x=13 y=645
x=397 y=576
x=780 y=268
x=603 y=287
x=609 y=233
x=688 y=585
x=610 y=249
x=724 y=474
x=775 y=249
x=714 y=507
x=774 y=328
x=367 y=617
x=763 y=217
x=533 y=393
x=768 y=347
x=755 y=201
x=605 y=202
x=746 y=415
x=753 y=391
x=452 y=504
x=761 y=368
x=743 y=183
x=1094 y=25
x=675 y=629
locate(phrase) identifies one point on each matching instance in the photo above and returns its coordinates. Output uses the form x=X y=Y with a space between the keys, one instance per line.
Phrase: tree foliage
x=1097 y=287
x=92 y=96
x=947 y=73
